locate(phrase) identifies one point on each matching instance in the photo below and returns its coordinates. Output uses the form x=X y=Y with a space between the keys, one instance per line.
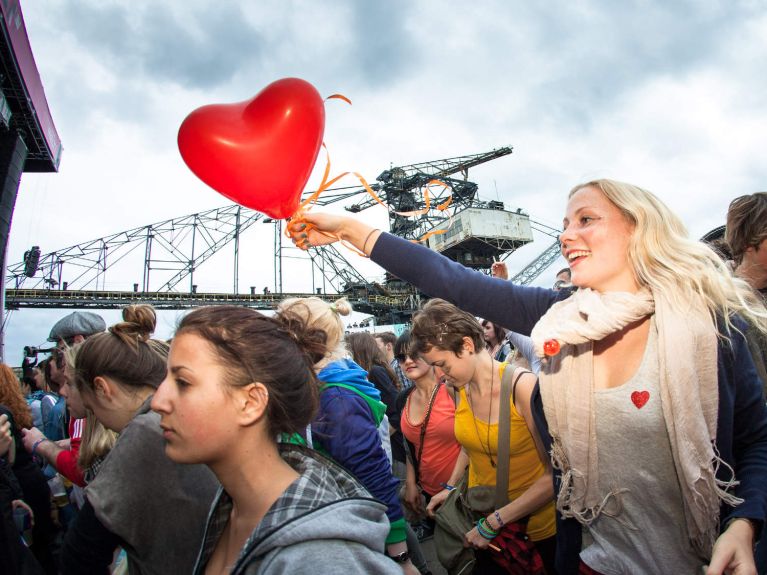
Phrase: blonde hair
x=666 y=260
x=97 y=440
x=324 y=316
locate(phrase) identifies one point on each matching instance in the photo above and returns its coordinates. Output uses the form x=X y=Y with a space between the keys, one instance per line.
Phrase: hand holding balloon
x=318 y=229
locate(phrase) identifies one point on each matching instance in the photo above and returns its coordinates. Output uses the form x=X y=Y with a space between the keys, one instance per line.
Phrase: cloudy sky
x=666 y=95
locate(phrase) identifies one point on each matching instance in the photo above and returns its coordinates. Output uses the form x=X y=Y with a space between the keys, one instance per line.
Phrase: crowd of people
x=615 y=424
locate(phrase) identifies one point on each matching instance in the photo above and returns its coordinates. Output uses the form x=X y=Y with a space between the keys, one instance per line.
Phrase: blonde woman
x=350 y=413
x=656 y=419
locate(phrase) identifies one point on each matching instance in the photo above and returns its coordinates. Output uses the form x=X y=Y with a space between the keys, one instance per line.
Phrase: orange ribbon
x=326 y=182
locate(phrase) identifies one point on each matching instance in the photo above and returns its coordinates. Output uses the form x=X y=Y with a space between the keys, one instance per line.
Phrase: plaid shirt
x=321 y=482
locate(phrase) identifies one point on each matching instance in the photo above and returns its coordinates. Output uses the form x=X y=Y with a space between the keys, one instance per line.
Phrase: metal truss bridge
x=171 y=251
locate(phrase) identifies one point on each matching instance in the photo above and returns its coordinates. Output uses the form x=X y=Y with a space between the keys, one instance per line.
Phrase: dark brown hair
x=387 y=337
x=12 y=398
x=498 y=332
x=278 y=351
x=366 y=353
x=403 y=347
x=746 y=224
x=440 y=324
x=124 y=353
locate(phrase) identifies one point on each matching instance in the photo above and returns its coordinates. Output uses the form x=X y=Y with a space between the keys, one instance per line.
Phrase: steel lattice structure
x=174 y=249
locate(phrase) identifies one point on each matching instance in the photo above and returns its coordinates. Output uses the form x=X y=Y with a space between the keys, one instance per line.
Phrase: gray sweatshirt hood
x=324 y=522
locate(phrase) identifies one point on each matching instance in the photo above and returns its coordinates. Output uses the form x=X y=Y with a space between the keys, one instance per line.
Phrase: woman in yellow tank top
x=451 y=340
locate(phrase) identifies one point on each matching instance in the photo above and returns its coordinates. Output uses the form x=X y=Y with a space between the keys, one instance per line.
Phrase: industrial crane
x=177 y=247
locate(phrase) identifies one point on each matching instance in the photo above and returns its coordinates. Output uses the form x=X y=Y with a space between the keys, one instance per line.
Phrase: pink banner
x=30 y=77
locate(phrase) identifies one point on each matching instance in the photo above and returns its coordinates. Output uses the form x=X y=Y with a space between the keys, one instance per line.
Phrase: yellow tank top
x=524 y=464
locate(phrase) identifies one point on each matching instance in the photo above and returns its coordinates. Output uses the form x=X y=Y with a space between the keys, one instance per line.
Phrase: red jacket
x=66 y=461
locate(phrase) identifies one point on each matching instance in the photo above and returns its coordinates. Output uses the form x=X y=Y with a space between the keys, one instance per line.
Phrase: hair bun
x=342 y=306
x=312 y=341
x=139 y=322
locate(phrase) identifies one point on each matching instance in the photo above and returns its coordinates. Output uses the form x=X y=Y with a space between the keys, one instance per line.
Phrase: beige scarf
x=687 y=351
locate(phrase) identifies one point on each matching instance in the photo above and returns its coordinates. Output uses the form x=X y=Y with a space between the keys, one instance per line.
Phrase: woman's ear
x=468 y=345
x=251 y=403
x=103 y=388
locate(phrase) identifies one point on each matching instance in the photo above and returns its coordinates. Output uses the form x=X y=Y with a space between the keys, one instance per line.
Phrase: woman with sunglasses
x=427 y=422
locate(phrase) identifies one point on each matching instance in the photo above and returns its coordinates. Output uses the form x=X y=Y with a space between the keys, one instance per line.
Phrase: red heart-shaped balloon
x=261 y=152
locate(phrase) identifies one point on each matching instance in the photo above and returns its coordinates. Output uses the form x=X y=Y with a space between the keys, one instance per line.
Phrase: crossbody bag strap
x=424 y=425
x=508 y=392
x=504 y=429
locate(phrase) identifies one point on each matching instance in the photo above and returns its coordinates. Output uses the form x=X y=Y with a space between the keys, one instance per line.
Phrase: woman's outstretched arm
x=511 y=306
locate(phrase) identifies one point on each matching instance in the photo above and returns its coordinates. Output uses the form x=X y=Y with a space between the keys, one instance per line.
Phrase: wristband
x=500 y=521
x=447 y=486
x=485 y=530
x=403 y=557
x=365 y=244
x=36 y=443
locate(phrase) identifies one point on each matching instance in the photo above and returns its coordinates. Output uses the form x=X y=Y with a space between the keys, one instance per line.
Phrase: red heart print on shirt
x=639 y=398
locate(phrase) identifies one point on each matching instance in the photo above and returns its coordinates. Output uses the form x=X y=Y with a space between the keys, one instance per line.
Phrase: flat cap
x=83 y=323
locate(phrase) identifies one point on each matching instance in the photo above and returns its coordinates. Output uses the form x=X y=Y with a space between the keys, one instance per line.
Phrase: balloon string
x=326 y=182
x=339 y=97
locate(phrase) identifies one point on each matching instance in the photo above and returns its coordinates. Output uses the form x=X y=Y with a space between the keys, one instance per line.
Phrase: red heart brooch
x=640 y=398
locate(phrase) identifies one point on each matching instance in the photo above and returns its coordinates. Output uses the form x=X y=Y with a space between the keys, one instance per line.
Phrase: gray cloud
x=204 y=49
x=383 y=47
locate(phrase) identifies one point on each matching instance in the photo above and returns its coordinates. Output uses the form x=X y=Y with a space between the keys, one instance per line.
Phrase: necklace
x=485 y=450
x=432 y=395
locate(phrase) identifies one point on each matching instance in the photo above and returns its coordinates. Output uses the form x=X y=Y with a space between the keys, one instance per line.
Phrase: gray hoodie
x=324 y=522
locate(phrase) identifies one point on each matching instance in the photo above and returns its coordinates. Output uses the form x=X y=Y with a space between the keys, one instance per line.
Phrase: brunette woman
x=428 y=423
x=140 y=500
x=237 y=380
x=656 y=417
x=495 y=339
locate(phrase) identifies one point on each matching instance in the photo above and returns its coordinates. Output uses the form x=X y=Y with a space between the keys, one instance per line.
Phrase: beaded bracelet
x=35 y=444
x=485 y=530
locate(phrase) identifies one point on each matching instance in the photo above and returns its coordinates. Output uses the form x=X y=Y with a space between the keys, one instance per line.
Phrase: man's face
x=386 y=348
x=39 y=378
x=70 y=341
x=57 y=373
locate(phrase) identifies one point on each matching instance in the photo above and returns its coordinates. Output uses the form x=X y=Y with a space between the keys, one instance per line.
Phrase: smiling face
x=595 y=243
x=415 y=369
x=199 y=418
